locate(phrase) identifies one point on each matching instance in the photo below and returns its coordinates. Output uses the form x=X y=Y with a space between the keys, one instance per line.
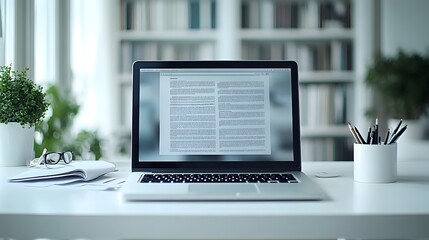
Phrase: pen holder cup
x=375 y=163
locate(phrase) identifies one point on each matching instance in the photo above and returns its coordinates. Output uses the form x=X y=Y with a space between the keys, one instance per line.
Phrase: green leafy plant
x=54 y=132
x=403 y=83
x=21 y=100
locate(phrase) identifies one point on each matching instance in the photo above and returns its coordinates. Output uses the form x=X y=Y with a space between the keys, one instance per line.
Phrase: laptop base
x=134 y=190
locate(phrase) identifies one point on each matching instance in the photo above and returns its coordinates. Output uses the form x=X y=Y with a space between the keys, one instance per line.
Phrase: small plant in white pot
x=22 y=106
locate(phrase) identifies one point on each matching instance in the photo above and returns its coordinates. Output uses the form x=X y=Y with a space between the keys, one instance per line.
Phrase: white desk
x=354 y=210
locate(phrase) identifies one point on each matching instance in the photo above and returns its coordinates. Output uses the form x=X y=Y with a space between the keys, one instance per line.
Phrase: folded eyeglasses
x=51 y=158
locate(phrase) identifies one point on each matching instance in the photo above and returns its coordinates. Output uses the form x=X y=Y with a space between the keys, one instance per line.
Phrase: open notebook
x=75 y=171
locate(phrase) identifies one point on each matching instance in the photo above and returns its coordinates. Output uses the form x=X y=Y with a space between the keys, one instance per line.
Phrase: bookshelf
x=318 y=34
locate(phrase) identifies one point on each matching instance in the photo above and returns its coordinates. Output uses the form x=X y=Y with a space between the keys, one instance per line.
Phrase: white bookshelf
x=177 y=35
x=225 y=33
x=296 y=34
x=326 y=77
x=323 y=131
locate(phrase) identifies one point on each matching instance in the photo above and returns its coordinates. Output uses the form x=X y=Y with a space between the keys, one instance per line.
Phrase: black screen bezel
x=219 y=166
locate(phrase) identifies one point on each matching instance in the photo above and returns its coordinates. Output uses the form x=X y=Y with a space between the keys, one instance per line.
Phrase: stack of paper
x=75 y=171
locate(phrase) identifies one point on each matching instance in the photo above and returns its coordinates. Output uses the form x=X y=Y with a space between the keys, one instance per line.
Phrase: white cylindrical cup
x=375 y=163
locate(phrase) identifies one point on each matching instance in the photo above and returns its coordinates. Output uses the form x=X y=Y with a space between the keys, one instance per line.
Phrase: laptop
x=216 y=130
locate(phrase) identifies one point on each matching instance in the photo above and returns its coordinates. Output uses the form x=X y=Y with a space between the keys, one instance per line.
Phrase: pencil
x=359 y=135
x=357 y=140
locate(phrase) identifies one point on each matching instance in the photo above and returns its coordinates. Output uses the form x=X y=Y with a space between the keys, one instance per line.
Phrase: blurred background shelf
x=318 y=34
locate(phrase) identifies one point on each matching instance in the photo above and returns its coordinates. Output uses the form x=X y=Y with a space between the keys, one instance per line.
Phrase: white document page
x=79 y=170
x=211 y=114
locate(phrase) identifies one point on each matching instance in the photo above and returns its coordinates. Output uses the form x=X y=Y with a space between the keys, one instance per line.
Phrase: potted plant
x=22 y=105
x=402 y=81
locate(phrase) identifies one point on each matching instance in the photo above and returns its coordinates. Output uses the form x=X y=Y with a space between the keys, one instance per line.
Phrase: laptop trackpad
x=227 y=189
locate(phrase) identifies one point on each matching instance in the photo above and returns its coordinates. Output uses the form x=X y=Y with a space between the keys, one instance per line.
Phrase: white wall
x=404 y=24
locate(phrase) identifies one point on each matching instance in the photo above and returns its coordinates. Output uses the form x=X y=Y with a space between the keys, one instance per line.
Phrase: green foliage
x=403 y=83
x=21 y=100
x=54 y=133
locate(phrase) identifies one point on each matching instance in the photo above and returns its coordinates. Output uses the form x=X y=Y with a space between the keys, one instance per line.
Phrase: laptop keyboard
x=219 y=178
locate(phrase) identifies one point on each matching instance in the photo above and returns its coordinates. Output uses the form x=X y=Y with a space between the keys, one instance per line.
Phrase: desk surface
x=353 y=210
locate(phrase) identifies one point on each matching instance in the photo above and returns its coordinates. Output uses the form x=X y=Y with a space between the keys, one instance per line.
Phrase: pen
x=376 y=131
x=368 y=136
x=371 y=141
x=372 y=135
x=394 y=138
x=386 y=138
x=397 y=128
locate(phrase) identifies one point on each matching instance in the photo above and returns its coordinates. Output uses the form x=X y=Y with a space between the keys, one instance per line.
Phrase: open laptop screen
x=220 y=112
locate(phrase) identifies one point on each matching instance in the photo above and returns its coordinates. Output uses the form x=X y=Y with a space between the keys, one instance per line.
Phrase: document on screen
x=210 y=114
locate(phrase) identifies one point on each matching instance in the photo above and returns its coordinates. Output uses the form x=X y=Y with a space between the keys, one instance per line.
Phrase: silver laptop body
x=216 y=130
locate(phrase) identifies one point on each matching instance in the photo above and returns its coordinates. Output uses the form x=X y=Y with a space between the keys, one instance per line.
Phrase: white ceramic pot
x=16 y=144
x=375 y=163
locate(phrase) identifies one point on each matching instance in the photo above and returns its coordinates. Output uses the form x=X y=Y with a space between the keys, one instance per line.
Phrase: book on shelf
x=269 y=14
x=163 y=50
x=335 y=14
x=245 y=18
x=309 y=15
x=325 y=56
x=159 y=15
x=202 y=14
x=335 y=55
x=347 y=56
x=322 y=56
x=324 y=104
x=286 y=15
x=194 y=14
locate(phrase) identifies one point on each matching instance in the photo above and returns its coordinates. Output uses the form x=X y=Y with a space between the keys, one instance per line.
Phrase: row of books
x=295 y=14
x=325 y=104
x=334 y=55
x=330 y=55
x=155 y=50
x=326 y=149
x=143 y=15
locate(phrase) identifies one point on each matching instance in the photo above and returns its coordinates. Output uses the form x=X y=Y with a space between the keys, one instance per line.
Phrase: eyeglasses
x=51 y=158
